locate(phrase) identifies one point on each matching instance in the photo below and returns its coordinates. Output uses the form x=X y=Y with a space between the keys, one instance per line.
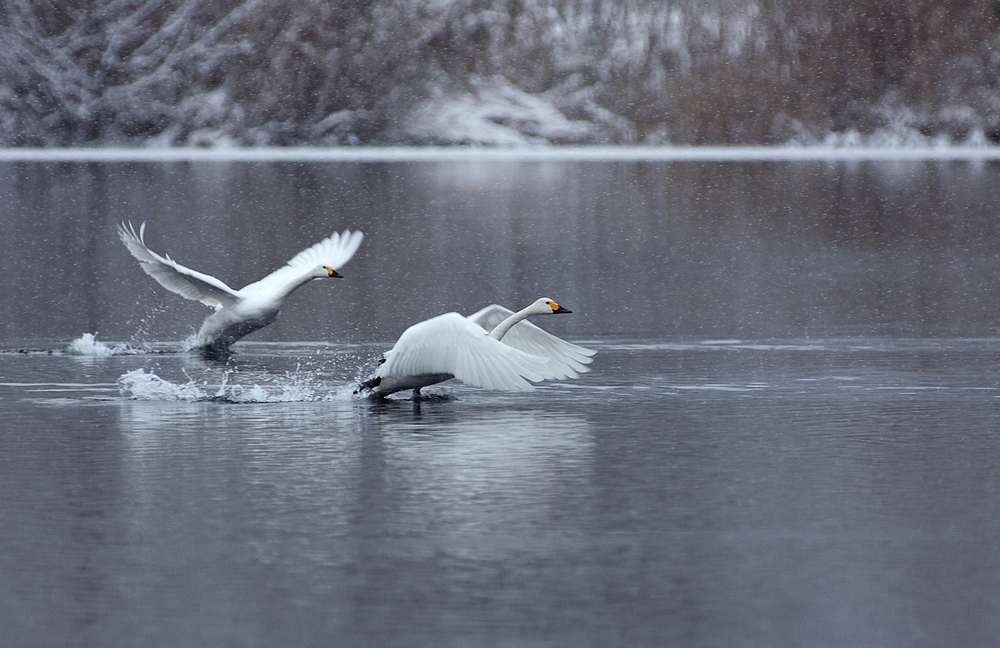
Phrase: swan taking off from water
x=485 y=349
x=240 y=312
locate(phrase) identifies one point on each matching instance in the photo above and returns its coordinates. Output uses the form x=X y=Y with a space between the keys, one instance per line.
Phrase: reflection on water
x=701 y=492
x=473 y=472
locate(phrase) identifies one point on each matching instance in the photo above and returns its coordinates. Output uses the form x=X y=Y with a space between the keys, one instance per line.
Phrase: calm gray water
x=788 y=437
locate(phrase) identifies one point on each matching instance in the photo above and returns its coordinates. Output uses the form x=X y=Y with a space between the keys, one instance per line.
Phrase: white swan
x=240 y=312
x=484 y=350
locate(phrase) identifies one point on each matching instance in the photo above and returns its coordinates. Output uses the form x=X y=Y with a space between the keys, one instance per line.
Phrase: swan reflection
x=457 y=466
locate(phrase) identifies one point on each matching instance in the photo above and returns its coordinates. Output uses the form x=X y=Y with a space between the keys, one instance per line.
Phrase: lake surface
x=789 y=436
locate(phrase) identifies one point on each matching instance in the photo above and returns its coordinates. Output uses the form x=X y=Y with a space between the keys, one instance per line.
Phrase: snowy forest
x=503 y=72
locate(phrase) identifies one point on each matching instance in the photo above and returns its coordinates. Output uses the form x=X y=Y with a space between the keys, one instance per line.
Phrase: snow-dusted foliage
x=507 y=72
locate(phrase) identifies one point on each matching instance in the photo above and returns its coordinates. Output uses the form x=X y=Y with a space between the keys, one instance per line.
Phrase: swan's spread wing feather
x=568 y=360
x=173 y=276
x=334 y=251
x=451 y=344
x=489 y=317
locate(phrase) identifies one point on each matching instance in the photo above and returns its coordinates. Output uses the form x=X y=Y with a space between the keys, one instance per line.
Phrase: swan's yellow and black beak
x=333 y=273
x=556 y=308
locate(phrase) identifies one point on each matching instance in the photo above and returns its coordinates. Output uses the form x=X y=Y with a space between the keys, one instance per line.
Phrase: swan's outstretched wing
x=173 y=276
x=568 y=360
x=334 y=251
x=451 y=344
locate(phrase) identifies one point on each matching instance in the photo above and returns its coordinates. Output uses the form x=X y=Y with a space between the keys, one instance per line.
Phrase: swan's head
x=327 y=271
x=546 y=306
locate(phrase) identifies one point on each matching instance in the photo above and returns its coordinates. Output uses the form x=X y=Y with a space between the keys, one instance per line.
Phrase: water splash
x=143 y=385
x=88 y=345
x=139 y=384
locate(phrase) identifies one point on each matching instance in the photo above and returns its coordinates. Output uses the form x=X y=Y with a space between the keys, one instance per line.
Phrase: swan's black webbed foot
x=369 y=385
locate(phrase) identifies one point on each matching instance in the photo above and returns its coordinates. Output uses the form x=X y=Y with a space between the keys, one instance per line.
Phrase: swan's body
x=240 y=312
x=485 y=350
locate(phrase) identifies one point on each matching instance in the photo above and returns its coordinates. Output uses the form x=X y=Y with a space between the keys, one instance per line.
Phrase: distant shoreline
x=497 y=154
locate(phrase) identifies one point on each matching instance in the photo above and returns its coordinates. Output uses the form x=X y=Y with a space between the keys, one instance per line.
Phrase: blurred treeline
x=80 y=72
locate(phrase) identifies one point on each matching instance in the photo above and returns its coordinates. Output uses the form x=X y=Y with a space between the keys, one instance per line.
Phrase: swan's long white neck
x=501 y=329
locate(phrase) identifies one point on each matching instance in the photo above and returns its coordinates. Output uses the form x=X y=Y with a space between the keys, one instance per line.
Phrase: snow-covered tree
x=279 y=72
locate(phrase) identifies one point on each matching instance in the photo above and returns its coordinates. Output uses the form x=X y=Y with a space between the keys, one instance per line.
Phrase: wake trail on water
x=86 y=345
